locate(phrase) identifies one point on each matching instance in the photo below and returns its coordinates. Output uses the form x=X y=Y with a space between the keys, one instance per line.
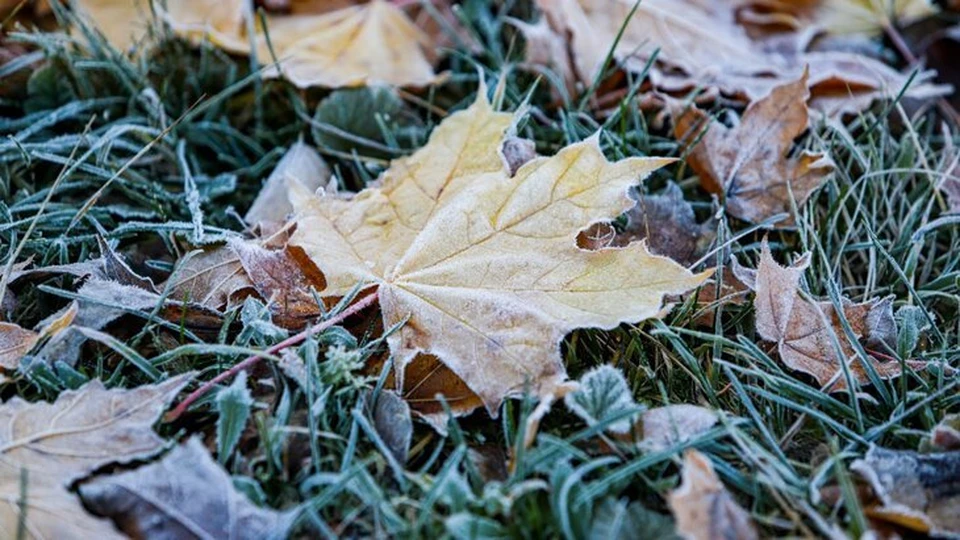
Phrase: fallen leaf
x=914 y=490
x=701 y=44
x=703 y=508
x=867 y=17
x=668 y=225
x=301 y=164
x=286 y=278
x=184 y=495
x=483 y=269
x=393 y=423
x=15 y=342
x=360 y=44
x=750 y=164
x=668 y=426
x=213 y=278
x=102 y=302
x=49 y=445
x=804 y=330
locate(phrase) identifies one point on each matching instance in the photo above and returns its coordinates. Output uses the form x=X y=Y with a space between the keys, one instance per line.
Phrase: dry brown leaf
x=356 y=45
x=483 y=268
x=916 y=491
x=286 y=278
x=750 y=164
x=804 y=331
x=14 y=343
x=703 y=508
x=49 y=445
x=301 y=164
x=701 y=44
x=184 y=495
x=213 y=278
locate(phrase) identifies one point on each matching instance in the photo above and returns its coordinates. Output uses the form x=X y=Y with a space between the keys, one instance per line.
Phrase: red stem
x=364 y=303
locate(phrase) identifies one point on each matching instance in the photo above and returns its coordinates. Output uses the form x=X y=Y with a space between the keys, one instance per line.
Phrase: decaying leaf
x=14 y=343
x=701 y=44
x=392 y=420
x=703 y=508
x=666 y=222
x=483 y=268
x=670 y=425
x=301 y=164
x=749 y=165
x=804 y=331
x=218 y=277
x=46 y=446
x=916 y=491
x=184 y=495
x=358 y=44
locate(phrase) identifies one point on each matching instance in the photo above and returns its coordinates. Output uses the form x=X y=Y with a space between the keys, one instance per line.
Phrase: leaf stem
x=249 y=362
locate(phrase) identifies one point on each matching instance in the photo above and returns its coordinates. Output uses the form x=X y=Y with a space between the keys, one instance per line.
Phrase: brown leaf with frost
x=702 y=44
x=911 y=490
x=864 y=17
x=360 y=44
x=804 y=331
x=483 y=268
x=668 y=225
x=702 y=506
x=49 y=445
x=750 y=164
x=184 y=495
x=285 y=278
x=15 y=342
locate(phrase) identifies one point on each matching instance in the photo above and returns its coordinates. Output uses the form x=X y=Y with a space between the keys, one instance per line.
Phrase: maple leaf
x=804 y=330
x=347 y=46
x=703 y=508
x=749 y=164
x=184 y=495
x=701 y=44
x=483 y=267
x=47 y=446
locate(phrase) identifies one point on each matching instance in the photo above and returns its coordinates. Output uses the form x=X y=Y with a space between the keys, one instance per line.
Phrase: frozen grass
x=110 y=142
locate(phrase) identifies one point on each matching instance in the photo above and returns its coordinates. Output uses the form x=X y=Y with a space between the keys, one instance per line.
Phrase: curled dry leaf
x=218 y=277
x=666 y=222
x=750 y=164
x=49 y=445
x=483 y=268
x=301 y=164
x=804 y=330
x=701 y=44
x=703 y=508
x=916 y=491
x=184 y=495
x=315 y=45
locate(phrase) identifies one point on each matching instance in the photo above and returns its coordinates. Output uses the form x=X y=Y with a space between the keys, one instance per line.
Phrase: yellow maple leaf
x=340 y=47
x=483 y=267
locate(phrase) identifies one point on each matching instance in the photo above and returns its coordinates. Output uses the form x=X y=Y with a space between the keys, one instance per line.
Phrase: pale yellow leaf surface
x=351 y=46
x=483 y=267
